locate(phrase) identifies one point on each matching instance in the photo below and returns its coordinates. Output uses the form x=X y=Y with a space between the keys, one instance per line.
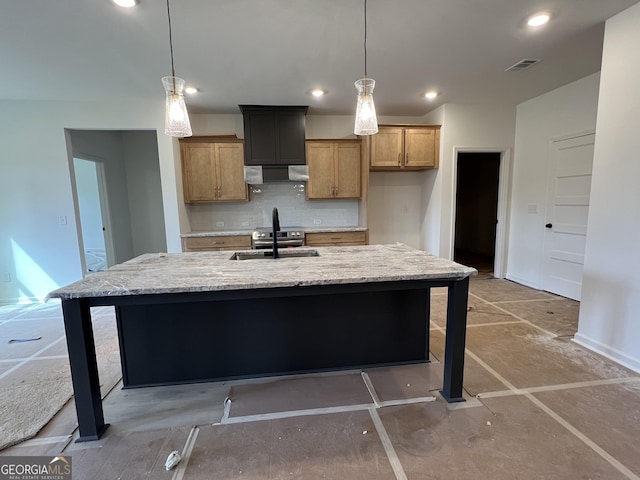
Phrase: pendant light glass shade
x=366 y=119
x=176 y=120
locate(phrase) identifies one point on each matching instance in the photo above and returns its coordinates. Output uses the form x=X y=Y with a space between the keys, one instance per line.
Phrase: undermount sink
x=268 y=254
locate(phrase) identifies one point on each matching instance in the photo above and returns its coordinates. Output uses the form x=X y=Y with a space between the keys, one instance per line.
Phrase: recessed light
x=317 y=92
x=431 y=94
x=126 y=3
x=538 y=19
x=191 y=90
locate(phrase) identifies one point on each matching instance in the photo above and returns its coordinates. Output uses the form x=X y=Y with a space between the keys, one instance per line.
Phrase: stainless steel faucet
x=276 y=228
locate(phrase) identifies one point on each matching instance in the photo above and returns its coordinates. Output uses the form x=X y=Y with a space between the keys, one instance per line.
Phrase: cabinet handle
x=399 y=159
x=336 y=190
x=406 y=159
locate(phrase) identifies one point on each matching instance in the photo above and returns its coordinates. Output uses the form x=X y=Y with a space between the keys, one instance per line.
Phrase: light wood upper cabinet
x=230 y=170
x=213 y=171
x=334 y=169
x=387 y=147
x=405 y=147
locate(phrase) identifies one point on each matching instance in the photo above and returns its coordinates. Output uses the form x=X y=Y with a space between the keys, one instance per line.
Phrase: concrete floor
x=539 y=407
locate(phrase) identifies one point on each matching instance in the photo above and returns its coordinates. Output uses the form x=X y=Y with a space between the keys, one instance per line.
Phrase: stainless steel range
x=262 y=237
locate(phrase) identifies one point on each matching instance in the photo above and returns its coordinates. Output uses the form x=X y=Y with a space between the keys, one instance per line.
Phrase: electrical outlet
x=219 y=224
x=317 y=221
x=245 y=224
x=6 y=276
x=62 y=220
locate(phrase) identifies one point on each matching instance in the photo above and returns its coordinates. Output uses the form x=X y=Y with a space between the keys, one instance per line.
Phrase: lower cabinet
x=334 y=239
x=216 y=243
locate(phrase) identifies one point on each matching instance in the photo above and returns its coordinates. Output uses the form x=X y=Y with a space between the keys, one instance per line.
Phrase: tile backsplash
x=293 y=209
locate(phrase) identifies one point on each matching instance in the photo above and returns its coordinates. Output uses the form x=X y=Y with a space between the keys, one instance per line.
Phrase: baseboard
x=609 y=352
x=522 y=281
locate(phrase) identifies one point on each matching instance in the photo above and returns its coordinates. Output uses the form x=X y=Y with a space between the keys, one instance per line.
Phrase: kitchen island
x=205 y=316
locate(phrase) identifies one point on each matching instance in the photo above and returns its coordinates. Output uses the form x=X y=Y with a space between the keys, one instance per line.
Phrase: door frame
x=104 y=209
x=502 y=230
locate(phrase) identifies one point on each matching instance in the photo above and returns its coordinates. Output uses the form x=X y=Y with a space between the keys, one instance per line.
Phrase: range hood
x=259 y=174
x=274 y=140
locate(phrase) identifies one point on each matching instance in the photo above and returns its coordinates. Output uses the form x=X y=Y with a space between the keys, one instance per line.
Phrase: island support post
x=84 y=369
x=454 y=348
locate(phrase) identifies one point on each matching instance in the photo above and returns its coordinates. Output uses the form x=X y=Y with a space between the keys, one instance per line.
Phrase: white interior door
x=571 y=161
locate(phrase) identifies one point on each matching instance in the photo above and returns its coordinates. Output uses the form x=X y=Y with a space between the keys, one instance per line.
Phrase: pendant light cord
x=173 y=72
x=365 y=38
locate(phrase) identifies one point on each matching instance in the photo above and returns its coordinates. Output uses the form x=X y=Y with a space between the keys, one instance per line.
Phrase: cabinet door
x=347 y=172
x=386 y=147
x=198 y=172
x=331 y=239
x=290 y=138
x=211 y=244
x=320 y=162
x=260 y=135
x=419 y=146
x=230 y=172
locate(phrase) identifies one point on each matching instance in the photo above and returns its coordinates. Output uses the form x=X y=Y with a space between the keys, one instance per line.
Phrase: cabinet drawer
x=327 y=239
x=230 y=242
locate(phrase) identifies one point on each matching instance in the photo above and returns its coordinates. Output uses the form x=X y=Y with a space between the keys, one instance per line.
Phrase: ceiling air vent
x=522 y=65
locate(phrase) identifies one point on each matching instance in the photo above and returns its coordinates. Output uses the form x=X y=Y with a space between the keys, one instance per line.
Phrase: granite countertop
x=214 y=271
x=225 y=233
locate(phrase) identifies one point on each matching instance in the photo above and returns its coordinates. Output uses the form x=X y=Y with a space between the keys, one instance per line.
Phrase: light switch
x=532 y=209
x=62 y=220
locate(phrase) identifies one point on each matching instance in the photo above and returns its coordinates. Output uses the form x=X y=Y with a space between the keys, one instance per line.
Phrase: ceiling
x=273 y=52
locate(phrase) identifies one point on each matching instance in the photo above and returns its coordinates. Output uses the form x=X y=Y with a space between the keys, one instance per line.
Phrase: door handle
x=549 y=225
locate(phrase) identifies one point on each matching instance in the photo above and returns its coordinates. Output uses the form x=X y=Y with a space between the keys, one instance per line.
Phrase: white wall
x=467 y=127
x=140 y=156
x=610 y=310
x=566 y=110
x=38 y=253
x=395 y=207
x=430 y=200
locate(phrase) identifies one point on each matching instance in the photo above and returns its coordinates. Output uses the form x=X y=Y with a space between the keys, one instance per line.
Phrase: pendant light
x=366 y=120
x=176 y=118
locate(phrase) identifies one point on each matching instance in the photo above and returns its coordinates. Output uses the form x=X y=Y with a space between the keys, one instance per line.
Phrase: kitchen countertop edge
x=214 y=271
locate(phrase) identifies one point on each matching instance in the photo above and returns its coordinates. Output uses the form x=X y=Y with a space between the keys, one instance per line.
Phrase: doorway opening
x=122 y=201
x=94 y=215
x=476 y=214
